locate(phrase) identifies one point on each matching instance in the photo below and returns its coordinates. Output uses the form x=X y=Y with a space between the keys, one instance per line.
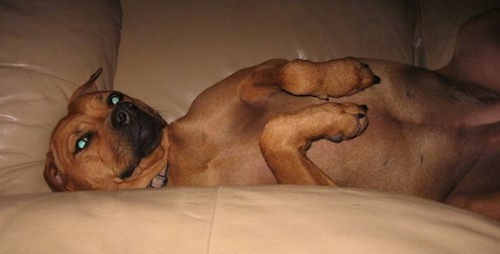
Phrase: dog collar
x=160 y=180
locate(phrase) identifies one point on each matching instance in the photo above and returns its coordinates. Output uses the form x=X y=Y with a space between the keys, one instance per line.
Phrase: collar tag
x=160 y=180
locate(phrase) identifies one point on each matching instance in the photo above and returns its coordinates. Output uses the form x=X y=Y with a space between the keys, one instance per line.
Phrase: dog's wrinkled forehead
x=94 y=109
x=86 y=113
x=96 y=103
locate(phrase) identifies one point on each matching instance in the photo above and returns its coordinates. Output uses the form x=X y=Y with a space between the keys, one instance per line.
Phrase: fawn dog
x=433 y=134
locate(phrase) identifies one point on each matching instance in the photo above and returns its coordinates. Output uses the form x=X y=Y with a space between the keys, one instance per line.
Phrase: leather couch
x=167 y=52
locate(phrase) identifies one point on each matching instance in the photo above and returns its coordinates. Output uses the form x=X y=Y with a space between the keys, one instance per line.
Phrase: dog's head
x=107 y=140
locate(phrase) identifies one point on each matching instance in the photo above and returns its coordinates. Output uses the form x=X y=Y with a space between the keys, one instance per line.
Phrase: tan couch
x=165 y=53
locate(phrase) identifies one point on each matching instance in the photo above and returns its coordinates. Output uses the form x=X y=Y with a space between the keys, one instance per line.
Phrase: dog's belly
x=395 y=156
x=389 y=156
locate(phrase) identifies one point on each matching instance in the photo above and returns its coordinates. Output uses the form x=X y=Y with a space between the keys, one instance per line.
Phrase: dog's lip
x=128 y=172
x=145 y=152
x=152 y=138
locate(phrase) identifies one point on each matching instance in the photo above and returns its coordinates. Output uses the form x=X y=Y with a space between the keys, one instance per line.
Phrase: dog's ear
x=89 y=86
x=52 y=174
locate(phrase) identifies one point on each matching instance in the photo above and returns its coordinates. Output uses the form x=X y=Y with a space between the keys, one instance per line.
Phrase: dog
x=433 y=134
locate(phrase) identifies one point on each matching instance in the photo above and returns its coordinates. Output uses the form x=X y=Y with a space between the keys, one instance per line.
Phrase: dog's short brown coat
x=433 y=134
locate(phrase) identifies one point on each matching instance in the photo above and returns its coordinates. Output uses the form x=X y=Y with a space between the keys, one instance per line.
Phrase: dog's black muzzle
x=123 y=115
x=141 y=129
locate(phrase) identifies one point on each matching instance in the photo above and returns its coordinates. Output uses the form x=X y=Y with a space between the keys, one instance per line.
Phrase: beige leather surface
x=179 y=48
x=47 y=49
x=273 y=219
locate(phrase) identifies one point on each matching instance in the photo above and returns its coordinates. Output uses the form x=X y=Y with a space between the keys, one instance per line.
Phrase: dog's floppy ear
x=52 y=174
x=89 y=86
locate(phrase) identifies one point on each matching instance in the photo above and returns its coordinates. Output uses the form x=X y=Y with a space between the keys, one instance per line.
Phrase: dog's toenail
x=359 y=116
x=364 y=107
x=376 y=80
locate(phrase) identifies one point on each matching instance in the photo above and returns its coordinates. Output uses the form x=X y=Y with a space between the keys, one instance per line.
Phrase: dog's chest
x=213 y=156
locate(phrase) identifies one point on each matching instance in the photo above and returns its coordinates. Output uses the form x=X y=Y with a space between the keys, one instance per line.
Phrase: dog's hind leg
x=483 y=203
x=286 y=138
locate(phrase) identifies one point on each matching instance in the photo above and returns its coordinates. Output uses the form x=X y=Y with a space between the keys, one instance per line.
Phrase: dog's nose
x=123 y=114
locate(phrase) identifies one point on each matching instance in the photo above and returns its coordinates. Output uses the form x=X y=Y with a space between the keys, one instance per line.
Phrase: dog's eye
x=82 y=142
x=115 y=98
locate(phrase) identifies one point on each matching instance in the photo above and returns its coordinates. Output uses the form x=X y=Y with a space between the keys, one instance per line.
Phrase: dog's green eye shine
x=115 y=98
x=82 y=142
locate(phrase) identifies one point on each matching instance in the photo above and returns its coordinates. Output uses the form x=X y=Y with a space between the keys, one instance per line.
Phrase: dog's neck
x=160 y=180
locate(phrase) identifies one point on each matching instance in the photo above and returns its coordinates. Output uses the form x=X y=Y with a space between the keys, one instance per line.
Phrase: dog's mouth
x=148 y=144
x=140 y=129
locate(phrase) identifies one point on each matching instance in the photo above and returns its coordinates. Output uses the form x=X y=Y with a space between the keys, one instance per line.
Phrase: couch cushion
x=47 y=49
x=257 y=219
x=171 y=50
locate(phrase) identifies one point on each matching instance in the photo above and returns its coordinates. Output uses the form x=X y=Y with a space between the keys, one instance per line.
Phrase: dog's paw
x=333 y=121
x=346 y=121
x=347 y=76
x=364 y=72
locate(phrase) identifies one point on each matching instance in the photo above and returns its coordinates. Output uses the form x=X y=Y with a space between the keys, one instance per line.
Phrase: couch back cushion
x=178 y=48
x=48 y=48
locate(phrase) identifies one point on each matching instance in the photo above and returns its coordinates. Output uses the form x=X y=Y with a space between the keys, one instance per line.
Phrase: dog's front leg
x=334 y=78
x=286 y=138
